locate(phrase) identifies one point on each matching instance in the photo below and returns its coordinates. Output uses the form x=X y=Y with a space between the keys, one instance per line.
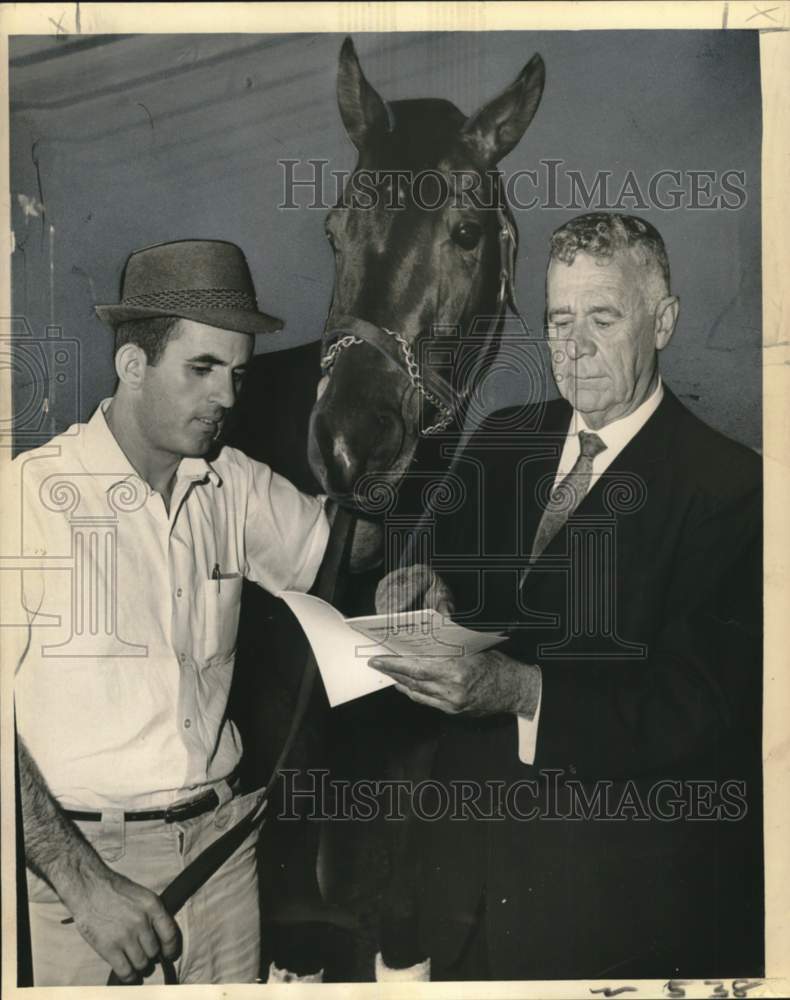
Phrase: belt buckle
x=180 y=811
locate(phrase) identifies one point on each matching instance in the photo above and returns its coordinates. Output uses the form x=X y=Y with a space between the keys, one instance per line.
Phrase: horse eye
x=467 y=235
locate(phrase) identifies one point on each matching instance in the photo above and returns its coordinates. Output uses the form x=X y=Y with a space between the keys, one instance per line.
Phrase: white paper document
x=343 y=646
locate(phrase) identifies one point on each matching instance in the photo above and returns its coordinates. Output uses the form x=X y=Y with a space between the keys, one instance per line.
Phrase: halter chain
x=412 y=370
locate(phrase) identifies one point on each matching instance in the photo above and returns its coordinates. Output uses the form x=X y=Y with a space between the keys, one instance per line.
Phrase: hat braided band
x=193 y=298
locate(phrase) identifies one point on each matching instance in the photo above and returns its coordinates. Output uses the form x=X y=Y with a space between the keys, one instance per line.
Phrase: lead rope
x=200 y=870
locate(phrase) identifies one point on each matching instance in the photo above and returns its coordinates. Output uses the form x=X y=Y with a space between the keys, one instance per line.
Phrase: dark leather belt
x=173 y=814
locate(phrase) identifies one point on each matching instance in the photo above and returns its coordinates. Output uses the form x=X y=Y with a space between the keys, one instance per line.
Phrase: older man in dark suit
x=609 y=753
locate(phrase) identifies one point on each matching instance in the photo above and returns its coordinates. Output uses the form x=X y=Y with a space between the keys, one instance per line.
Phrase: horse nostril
x=350 y=451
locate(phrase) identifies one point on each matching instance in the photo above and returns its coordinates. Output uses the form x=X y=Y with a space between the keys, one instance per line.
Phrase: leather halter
x=351 y=330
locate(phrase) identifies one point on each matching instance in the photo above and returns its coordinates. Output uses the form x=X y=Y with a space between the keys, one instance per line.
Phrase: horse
x=424 y=246
x=424 y=243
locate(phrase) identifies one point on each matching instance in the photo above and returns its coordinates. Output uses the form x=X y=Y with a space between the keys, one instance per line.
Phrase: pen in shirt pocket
x=215 y=575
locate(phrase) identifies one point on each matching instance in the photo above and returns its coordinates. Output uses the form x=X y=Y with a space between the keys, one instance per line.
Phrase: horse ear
x=361 y=108
x=496 y=128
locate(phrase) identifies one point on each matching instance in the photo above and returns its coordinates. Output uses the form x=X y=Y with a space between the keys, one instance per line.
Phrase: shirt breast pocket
x=222 y=602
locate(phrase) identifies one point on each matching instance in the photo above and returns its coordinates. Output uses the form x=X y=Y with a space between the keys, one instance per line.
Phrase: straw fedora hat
x=204 y=280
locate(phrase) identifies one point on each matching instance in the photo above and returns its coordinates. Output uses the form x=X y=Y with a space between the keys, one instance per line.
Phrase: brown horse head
x=417 y=238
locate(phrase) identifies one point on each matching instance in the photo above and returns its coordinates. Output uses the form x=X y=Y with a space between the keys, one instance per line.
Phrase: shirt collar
x=102 y=452
x=617 y=434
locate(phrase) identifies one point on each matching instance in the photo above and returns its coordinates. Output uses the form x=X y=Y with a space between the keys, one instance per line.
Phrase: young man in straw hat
x=127 y=757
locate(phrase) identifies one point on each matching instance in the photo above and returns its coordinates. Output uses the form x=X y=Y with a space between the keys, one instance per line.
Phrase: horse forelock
x=435 y=111
x=422 y=132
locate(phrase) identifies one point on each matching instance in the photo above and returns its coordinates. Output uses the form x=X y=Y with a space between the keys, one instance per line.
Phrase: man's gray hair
x=602 y=234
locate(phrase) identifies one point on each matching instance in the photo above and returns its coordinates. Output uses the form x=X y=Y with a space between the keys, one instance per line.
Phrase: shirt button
x=182 y=657
x=179 y=592
x=187 y=723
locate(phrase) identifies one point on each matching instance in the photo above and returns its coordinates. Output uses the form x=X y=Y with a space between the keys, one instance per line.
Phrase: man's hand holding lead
x=124 y=922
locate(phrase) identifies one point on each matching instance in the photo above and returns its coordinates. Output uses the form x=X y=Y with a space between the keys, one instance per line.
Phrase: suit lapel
x=637 y=462
x=633 y=469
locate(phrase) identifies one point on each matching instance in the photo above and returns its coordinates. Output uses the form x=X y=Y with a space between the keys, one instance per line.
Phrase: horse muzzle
x=366 y=420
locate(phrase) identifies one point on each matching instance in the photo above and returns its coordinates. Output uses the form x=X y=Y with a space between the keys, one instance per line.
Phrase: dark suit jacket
x=665 y=687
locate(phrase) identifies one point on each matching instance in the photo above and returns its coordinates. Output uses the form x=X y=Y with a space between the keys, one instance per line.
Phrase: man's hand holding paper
x=343 y=646
x=484 y=683
x=413 y=587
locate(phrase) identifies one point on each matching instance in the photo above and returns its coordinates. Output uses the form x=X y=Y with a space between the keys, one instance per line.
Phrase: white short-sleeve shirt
x=122 y=695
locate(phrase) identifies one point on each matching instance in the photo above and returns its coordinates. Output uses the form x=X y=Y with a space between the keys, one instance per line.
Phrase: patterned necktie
x=567 y=494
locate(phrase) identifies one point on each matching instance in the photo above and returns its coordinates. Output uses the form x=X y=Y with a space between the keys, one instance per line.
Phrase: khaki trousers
x=220 y=925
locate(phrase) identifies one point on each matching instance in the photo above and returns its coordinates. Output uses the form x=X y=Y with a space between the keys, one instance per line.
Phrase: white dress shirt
x=122 y=695
x=615 y=436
